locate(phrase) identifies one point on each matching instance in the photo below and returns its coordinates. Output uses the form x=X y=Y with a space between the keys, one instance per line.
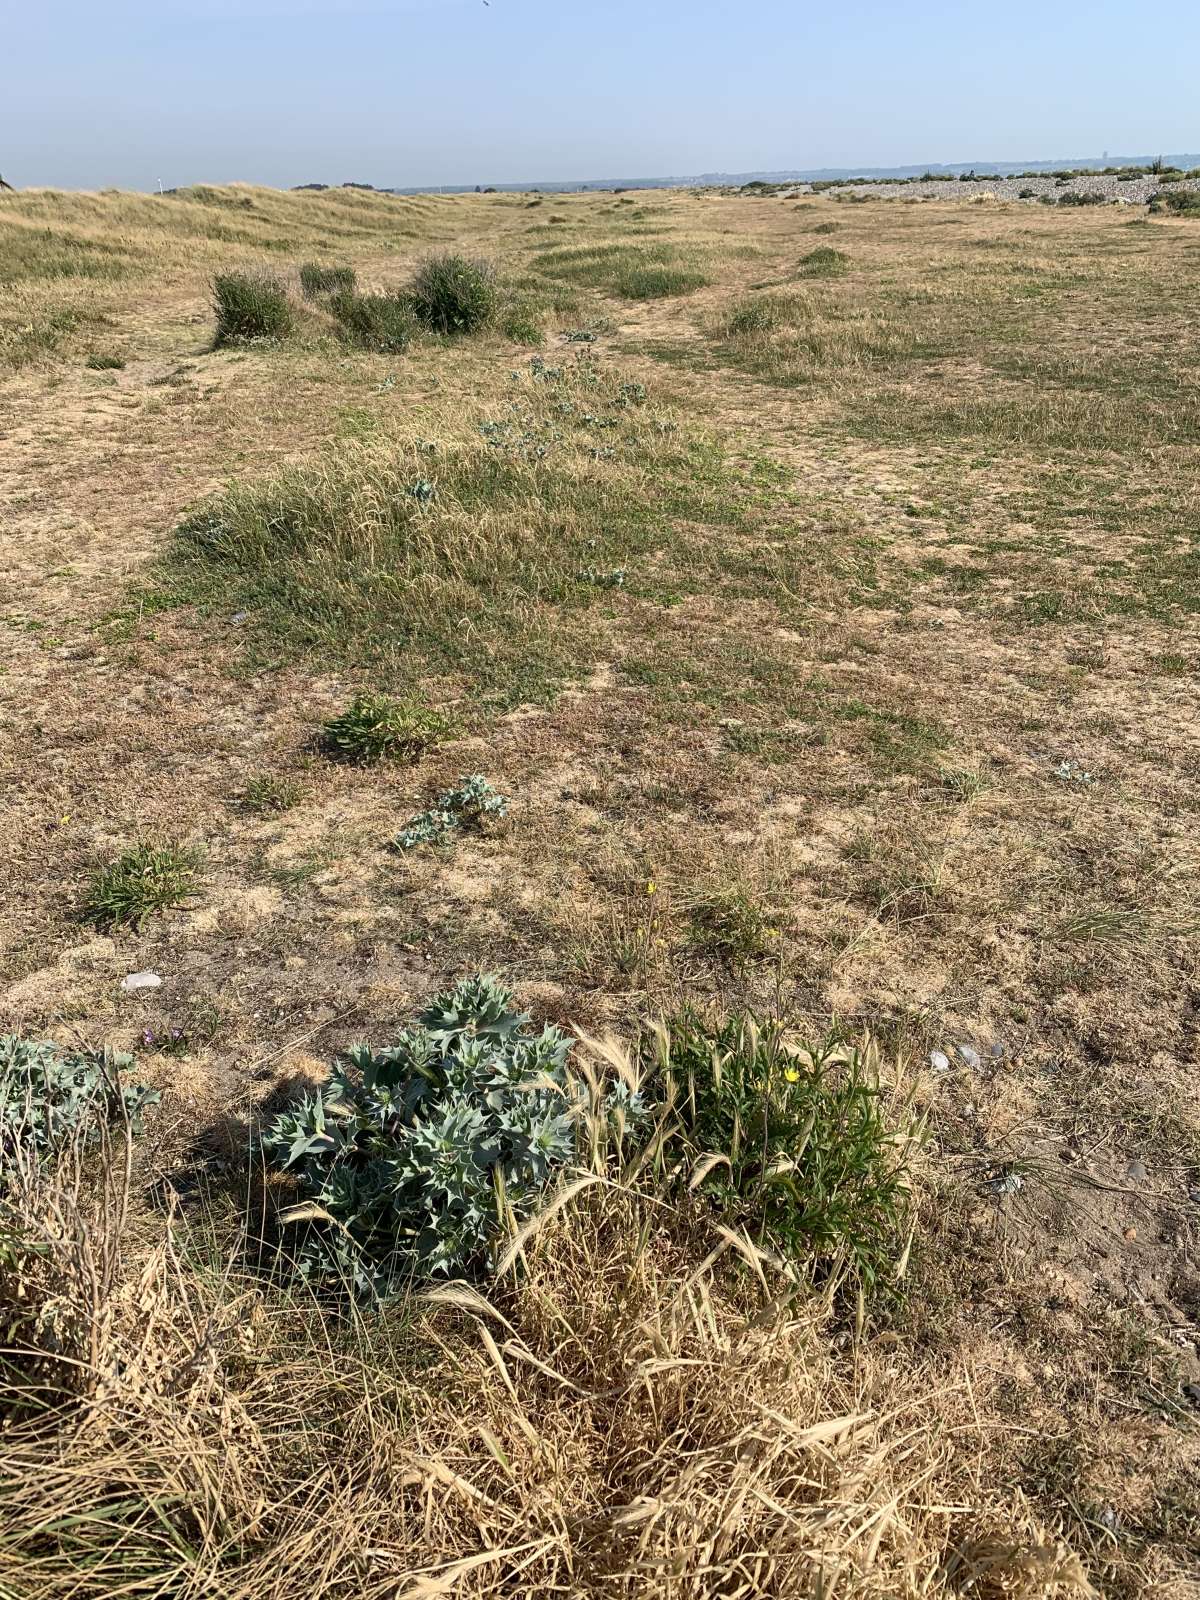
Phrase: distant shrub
x=658 y=282
x=792 y=1142
x=826 y=227
x=382 y=322
x=453 y=295
x=317 y=280
x=416 y=1157
x=150 y=877
x=1077 y=197
x=250 y=305
x=824 y=262
x=1027 y=194
x=1176 y=203
x=50 y=1097
x=377 y=727
x=105 y=363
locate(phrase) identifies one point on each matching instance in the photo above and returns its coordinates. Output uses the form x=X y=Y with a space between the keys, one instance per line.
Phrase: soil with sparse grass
x=829 y=621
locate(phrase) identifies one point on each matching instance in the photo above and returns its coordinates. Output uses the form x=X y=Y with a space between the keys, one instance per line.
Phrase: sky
x=424 y=92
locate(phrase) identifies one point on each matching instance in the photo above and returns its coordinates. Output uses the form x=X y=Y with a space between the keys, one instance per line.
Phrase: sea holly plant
x=413 y=1159
x=50 y=1097
x=471 y=805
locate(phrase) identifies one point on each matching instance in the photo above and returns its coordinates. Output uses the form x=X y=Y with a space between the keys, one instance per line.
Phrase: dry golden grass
x=897 y=670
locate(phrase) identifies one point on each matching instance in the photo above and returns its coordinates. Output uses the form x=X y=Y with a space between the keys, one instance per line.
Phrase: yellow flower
x=792 y=1075
x=651 y=887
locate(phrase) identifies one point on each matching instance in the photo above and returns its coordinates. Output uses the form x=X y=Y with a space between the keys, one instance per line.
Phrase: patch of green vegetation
x=266 y=794
x=146 y=878
x=1176 y=203
x=452 y=295
x=100 y=362
x=824 y=262
x=250 y=306
x=731 y=922
x=316 y=280
x=792 y=1144
x=380 y=322
x=31 y=254
x=51 y=1098
x=658 y=283
x=378 y=727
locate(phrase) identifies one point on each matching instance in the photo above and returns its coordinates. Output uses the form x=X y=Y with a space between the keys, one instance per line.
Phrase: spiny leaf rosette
x=413 y=1157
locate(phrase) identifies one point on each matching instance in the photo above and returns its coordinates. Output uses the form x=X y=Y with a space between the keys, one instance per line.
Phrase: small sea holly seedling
x=470 y=805
x=377 y=727
x=150 y=877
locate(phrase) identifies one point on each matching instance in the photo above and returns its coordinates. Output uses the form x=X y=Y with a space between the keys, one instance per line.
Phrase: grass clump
x=100 y=362
x=149 y=877
x=823 y=262
x=759 y=314
x=249 y=306
x=382 y=322
x=453 y=295
x=418 y=1154
x=316 y=280
x=731 y=923
x=792 y=1143
x=266 y=795
x=378 y=727
x=659 y=282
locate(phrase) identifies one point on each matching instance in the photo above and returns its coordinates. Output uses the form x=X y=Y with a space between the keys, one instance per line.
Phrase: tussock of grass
x=250 y=306
x=635 y=272
x=453 y=295
x=659 y=283
x=381 y=322
x=824 y=262
x=316 y=280
x=376 y=727
x=149 y=877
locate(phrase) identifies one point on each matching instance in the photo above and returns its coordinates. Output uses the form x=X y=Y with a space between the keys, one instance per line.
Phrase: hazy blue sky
x=400 y=92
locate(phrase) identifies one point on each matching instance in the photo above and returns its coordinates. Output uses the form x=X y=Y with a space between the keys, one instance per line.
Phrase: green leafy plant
x=791 y=1142
x=381 y=322
x=316 y=280
x=250 y=305
x=451 y=294
x=730 y=922
x=50 y=1096
x=149 y=877
x=101 y=362
x=413 y=1158
x=377 y=727
x=470 y=805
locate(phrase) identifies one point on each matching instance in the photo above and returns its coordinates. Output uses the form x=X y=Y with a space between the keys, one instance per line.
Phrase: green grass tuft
x=149 y=877
x=316 y=280
x=824 y=262
x=382 y=322
x=377 y=727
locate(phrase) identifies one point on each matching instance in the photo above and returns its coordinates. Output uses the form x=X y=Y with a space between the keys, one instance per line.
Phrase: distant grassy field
x=819 y=586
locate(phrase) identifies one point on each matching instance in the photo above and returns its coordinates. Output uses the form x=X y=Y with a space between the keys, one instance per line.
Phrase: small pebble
x=939 y=1061
x=1191 y=1391
x=997 y=1051
x=141 y=980
x=1131 y=1234
x=1137 y=1171
x=970 y=1055
x=1194 y=1196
